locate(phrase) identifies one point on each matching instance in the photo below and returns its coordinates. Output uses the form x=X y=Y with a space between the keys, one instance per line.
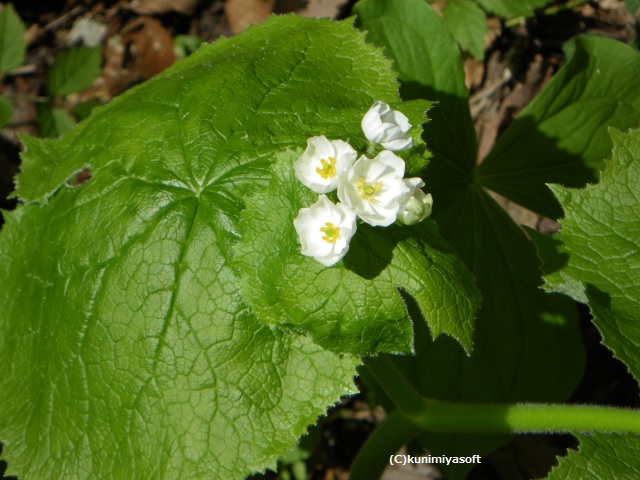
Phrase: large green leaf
x=355 y=306
x=12 y=43
x=595 y=259
x=601 y=456
x=561 y=137
x=468 y=24
x=127 y=349
x=526 y=344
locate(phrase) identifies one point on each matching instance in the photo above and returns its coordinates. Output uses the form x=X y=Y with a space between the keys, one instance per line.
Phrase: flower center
x=368 y=190
x=327 y=169
x=331 y=232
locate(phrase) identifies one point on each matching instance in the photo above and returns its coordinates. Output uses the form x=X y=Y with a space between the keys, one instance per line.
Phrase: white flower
x=375 y=189
x=388 y=127
x=416 y=205
x=325 y=229
x=322 y=163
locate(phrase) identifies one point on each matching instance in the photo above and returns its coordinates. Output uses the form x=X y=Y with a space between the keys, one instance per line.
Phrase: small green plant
x=73 y=70
x=161 y=321
x=12 y=51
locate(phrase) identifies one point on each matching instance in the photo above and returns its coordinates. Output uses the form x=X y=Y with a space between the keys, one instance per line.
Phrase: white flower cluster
x=374 y=190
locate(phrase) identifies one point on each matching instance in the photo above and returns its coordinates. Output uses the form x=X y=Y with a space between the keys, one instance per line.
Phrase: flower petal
x=320 y=166
x=325 y=230
x=399 y=144
x=374 y=189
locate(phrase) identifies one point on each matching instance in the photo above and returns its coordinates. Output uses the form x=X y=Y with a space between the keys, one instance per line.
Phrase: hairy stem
x=526 y=418
x=439 y=416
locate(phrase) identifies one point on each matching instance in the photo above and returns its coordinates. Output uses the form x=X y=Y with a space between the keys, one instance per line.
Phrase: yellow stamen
x=367 y=191
x=327 y=169
x=331 y=232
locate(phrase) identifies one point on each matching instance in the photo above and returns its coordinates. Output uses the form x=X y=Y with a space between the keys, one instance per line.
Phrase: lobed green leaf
x=601 y=456
x=561 y=137
x=126 y=342
x=355 y=306
x=595 y=258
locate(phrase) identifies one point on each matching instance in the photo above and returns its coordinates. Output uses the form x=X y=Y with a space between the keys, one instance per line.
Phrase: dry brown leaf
x=473 y=73
x=151 y=7
x=322 y=8
x=495 y=31
x=144 y=49
x=242 y=13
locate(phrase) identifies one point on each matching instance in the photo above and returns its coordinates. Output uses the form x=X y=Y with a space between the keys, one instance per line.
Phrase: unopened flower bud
x=387 y=127
x=418 y=206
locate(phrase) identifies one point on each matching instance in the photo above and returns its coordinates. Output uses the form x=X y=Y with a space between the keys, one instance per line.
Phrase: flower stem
x=396 y=385
x=526 y=418
x=439 y=416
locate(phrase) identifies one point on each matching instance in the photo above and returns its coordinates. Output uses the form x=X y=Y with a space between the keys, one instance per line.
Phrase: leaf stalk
x=440 y=416
x=416 y=413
